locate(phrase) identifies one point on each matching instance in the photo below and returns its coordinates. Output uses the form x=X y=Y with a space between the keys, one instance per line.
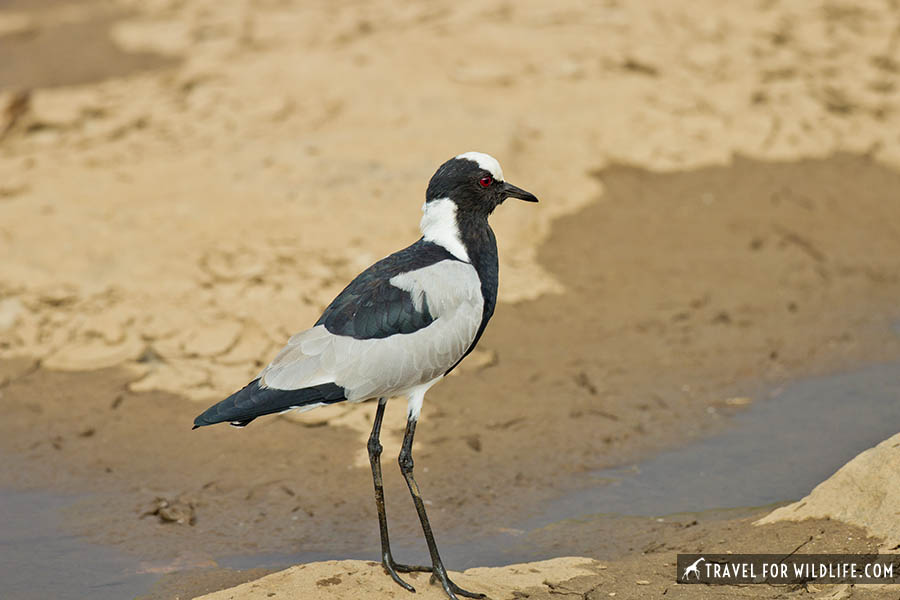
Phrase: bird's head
x=474 y=183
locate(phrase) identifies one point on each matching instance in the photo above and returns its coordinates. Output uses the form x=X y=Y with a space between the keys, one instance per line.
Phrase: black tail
x=254 y=401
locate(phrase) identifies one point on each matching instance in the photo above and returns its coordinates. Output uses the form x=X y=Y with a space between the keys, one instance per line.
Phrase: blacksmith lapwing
x=396 y=330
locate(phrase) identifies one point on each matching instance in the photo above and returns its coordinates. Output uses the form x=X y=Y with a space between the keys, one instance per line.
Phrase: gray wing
x=448 y=290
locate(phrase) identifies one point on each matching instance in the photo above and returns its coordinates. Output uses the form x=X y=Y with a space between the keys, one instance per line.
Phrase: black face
x=472 y=188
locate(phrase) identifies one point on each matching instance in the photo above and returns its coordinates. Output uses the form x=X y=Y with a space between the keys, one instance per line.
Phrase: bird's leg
x=406 y=467
x=375 y=448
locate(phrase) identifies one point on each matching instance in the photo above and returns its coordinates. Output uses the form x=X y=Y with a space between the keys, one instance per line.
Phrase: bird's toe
x=392 y=569
x=452 y=589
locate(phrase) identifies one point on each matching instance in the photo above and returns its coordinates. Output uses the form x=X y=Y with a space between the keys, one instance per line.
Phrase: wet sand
x=638 y=372
x=164 y=239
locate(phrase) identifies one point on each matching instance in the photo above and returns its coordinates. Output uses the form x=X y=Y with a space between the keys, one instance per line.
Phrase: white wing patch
x=396 y=364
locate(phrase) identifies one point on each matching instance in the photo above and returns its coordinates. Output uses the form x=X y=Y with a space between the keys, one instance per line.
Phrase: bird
x=396 y=330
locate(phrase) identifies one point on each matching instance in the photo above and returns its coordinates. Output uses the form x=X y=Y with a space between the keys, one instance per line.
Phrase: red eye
x=486 y=181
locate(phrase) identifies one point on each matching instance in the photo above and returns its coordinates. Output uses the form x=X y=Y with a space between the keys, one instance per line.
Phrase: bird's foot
x=393 y=568
x=451 y=588
x=438 y=575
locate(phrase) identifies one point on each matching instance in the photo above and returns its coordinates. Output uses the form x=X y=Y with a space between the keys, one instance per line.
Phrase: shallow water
x=39 y=560
x=775 y=451
x=778 y=450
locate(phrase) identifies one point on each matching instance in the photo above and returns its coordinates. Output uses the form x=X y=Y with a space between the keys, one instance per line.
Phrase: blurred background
x=186 y=183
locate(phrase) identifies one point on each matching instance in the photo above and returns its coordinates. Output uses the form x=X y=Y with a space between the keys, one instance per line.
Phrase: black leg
x=374 y=447
x=406 y=466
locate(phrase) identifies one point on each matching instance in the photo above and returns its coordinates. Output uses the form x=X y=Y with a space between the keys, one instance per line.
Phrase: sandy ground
x=193 y=181
x=648 y=575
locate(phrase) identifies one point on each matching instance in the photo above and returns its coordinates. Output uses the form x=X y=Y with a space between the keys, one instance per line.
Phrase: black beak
x=512 y=191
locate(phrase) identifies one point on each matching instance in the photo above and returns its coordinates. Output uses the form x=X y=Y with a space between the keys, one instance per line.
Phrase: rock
x=179 y=511
x=865 y=492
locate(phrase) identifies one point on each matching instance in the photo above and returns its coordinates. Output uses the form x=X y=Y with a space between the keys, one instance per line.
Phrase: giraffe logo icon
x=693 y=568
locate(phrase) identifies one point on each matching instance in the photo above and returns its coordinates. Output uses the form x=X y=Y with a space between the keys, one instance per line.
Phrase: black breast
x=481 y=246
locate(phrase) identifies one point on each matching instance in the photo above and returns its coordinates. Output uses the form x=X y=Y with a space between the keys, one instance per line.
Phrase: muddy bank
x=683 y=292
